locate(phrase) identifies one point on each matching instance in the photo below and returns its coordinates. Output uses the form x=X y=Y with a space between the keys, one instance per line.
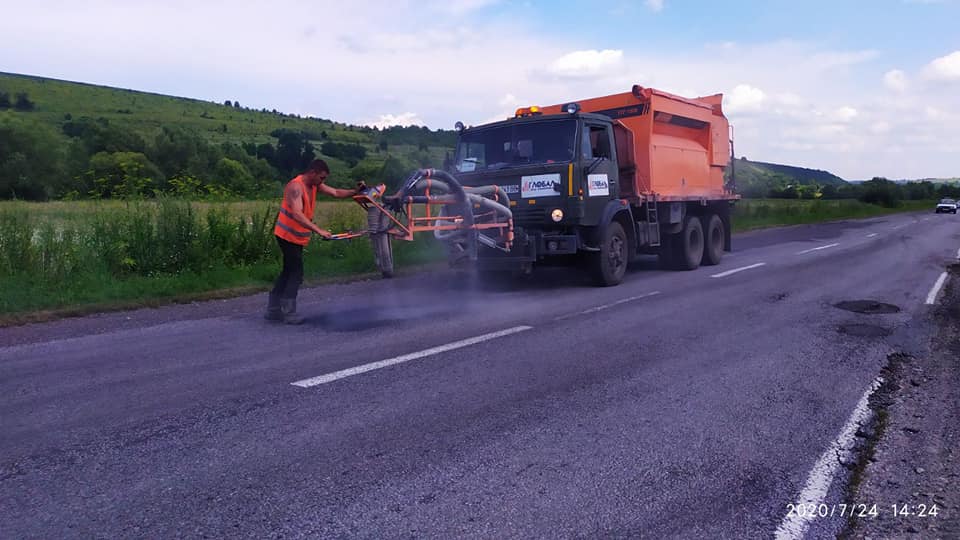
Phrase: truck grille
x=529 y=215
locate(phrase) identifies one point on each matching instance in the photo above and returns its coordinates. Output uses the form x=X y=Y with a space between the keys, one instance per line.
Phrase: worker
x=293 y=230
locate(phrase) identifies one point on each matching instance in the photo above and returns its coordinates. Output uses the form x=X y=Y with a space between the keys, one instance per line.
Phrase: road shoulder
x=916 y=460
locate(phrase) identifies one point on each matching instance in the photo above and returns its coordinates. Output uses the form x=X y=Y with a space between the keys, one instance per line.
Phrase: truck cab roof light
x=572 y=108
x=527 y=111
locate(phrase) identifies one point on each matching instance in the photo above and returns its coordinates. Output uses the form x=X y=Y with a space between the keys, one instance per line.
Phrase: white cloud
x=945 y=68
x=895 y=80
x=654 y=5
x=588 y=63
x=461 y=7
x=508 y=100
x=844 y=114
x=402 y=120
x=744 y=98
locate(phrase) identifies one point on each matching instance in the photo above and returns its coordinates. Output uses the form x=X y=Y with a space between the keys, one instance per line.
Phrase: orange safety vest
x=287 y=227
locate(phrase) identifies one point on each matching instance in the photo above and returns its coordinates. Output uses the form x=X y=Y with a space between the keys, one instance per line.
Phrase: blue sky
x=859 y=88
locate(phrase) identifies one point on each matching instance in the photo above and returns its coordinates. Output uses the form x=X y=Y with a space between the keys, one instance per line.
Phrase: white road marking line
x=795 y=524
x=607 y=306
x=735 y=270
x=817 y=248
x=898 y=226
x=336 y=375
x=932 y=297
x=871 y=235
x=958 y=253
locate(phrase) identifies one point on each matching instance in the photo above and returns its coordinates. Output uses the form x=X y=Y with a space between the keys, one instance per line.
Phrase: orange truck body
x=670 y=147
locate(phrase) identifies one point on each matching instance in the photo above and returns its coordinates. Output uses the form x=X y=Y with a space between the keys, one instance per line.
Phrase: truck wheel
x=713 y=237
x=610 y=263
x=383 y=253
x=689 y=248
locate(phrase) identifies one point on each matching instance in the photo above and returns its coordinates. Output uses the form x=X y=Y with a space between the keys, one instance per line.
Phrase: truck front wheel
x=610 y=263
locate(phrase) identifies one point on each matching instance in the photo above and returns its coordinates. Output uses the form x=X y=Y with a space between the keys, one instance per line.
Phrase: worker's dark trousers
x=288 y=282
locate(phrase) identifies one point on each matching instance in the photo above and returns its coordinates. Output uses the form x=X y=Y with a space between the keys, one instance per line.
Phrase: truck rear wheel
x=713 y=236
x=610 y=263
x=689 y=246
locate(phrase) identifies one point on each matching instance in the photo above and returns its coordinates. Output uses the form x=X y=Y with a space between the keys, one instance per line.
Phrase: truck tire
x=383 y=253
x=689 y=247
x=713 y=240
x=610 y=263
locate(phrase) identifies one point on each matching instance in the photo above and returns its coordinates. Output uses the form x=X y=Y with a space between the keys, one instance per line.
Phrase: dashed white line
x=607 y=306
x=871 y=235
x=898 y=226
x=735 y=270
x=828 y=246
x=336 y=375
x=958 y=253
x=795 y=524
x=932 y=296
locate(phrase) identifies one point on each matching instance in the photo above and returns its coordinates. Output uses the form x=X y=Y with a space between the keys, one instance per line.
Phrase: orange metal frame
x=405 y=231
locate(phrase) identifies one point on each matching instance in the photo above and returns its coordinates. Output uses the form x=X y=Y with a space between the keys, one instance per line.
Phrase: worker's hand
x=325 y=234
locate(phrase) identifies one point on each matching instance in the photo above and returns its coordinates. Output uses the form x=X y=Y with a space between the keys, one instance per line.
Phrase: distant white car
x=947 y=205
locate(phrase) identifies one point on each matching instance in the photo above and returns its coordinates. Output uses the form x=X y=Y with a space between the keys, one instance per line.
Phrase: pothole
x=864 y=330
x=869 y=307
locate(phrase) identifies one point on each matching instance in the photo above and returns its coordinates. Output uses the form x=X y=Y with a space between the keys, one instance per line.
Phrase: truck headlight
x=556 y=215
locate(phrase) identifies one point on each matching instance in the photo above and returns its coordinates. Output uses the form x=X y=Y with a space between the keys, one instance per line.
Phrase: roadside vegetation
x=103 y=255
x=750 y=214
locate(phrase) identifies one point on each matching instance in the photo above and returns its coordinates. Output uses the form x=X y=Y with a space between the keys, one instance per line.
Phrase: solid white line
x=817 y=248
x=871 y=235
x=932 y=297
x=735 y=270
x=336 y=375
x=617 y=303
x=795 y=524
x=958 y=253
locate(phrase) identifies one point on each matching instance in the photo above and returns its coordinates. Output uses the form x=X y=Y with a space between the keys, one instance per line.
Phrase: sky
x=857 y=87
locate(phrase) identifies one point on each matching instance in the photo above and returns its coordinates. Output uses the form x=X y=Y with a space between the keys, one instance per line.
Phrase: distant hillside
x=85 y=120
x=760 y=179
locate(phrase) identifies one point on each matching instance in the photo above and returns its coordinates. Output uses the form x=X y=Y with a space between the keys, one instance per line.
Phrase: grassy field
x=752 y=214
x=75 y=257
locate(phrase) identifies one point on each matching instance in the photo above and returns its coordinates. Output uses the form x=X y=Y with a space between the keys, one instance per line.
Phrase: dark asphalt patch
x=868 y=307
x=864 y=330
x=357 y=320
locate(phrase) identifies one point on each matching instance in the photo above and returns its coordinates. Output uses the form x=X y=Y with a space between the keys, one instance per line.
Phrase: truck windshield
x=549 y=141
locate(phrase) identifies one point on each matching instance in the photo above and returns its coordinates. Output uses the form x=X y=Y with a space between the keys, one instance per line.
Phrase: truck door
x=600 y=172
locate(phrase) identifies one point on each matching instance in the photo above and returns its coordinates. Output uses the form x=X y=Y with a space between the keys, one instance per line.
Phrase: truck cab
x=560 y=172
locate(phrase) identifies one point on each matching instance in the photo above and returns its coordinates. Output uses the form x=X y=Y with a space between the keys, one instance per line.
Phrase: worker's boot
x=273 y=313
x=289 y=308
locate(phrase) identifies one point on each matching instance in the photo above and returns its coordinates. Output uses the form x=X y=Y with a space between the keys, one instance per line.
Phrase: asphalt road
x=678 y=404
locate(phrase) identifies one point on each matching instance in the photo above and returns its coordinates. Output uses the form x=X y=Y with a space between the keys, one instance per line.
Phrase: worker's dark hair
x=318 y=166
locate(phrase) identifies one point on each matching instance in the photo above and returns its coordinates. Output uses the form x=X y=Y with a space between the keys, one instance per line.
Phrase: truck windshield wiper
x=596 y=161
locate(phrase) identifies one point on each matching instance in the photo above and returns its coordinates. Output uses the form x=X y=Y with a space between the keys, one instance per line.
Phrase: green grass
x=85 y=255
x=749 y=214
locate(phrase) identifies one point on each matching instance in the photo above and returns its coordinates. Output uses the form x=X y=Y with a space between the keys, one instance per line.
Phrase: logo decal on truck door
x=597 y=184
x=540 y=185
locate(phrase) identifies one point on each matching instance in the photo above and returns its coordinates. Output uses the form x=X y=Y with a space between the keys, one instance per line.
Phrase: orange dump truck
x=606 y=179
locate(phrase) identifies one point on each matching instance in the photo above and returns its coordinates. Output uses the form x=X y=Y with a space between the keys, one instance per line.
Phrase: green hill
x=760 y=179
x=65 y=138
